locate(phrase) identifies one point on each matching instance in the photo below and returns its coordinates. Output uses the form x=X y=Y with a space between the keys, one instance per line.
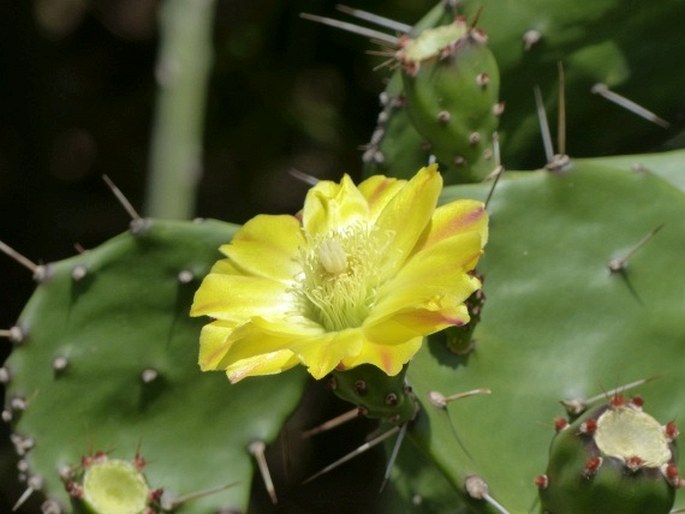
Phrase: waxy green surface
x=557 y=323
x=127 y=314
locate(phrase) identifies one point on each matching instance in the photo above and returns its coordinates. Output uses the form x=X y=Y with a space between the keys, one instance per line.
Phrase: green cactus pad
x=558 y=323
x=108 y=362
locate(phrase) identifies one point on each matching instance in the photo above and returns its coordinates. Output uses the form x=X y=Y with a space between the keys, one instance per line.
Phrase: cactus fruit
x=451 y=85
x=108 y=361
x=615 y=458
x=448 y=109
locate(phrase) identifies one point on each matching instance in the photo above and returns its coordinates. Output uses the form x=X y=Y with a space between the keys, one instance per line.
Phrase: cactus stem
x=354 y=453
x=351 y=27
x=39 y=271
x=35 y=483
x=374 y=18
x=128 y=207
x=331 y=423
x=619 y=265
x=620 y=100
x=257 y=449
x=478 y=489
x=440 y=401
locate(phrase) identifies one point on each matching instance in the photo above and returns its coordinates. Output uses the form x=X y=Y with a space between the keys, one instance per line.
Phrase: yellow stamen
x=339 y=284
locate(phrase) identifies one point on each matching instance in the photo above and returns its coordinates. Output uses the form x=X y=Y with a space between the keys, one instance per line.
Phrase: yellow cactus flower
x=359 y=276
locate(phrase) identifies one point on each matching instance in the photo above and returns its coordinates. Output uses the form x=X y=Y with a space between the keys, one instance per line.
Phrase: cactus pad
x=558 y=323
x=108 y=364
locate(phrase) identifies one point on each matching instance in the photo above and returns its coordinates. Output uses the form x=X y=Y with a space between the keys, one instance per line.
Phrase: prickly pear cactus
x=104 y=379
x=574 y=307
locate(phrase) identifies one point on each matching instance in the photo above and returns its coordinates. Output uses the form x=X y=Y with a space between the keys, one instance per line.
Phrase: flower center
x=339 y=283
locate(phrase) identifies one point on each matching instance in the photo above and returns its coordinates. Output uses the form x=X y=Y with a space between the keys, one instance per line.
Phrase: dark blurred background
x=77 y=96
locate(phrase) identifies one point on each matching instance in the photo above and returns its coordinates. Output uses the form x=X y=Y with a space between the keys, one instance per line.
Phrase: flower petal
x=455 y=218
x=408 y=213
x=418 y=321
x=329 y=207
x=322 y=354
x=428 y=293
x=267 y=246
x=437 y=272
x=213 y=344
x=260 y=336
x=264 y=364
x=238 y=298
x=388 y=358
x=378 y=191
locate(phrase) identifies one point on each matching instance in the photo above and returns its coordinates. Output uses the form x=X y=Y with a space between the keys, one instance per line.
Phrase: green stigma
x=339 y=283
x=115 y=487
